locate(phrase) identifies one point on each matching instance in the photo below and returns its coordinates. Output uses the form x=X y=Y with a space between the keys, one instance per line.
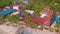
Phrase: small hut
x=54 y=21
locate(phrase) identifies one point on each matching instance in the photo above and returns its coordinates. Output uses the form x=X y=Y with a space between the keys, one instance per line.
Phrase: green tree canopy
x=38 y=5
x=13 y=18
x=4 y=3
x=58 y=24
x=2 y=19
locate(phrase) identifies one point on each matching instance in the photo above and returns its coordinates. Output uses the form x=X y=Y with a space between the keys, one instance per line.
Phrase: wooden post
x=0 y=16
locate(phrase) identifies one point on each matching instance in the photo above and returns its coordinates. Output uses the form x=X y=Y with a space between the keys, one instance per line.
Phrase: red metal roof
x=47 y=19
x=45 y=10
x=38 y=20
x=50 y=12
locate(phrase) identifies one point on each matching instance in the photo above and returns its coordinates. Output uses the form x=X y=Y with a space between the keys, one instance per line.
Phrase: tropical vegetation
x=4 y=3
x=38 y=5
x=35 y=5
x=58 y=25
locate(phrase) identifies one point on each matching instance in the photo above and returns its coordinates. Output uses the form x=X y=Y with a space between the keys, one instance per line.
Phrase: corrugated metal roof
x=55 y=18
x=5 y=12
x=45 y=10
x=38 y=20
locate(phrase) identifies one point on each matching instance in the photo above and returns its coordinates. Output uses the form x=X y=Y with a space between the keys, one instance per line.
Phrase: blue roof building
x=54 y=19
x=5 y=12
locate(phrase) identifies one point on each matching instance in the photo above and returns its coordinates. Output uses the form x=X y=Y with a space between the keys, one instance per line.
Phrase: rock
x=4 y=29
x=36 y=31
x=2 y=32
x=27 y=31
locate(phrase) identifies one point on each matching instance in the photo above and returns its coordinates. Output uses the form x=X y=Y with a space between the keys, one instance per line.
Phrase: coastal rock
x=4 y=29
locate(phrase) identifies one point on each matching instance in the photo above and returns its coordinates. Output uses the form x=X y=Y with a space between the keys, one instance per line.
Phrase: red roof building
x=50 y=13
x=38 y=20
x=45 y=10
x=46 y=20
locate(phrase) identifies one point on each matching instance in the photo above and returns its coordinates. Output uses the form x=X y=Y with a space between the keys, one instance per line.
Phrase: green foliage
x=4 y=3
x=51 y=30
x=55 y=5
x=2 y=19
x=35 y=25
x=38 y=5
x=58 y=24
x=34 y=6
x=29 y=19
x=13 y=18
